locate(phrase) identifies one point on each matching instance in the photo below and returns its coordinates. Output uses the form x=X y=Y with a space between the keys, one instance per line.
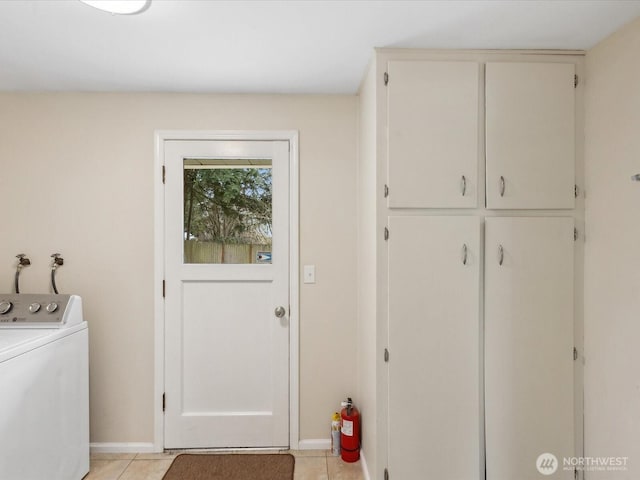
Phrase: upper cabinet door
x=433 y=134
x=530 y=130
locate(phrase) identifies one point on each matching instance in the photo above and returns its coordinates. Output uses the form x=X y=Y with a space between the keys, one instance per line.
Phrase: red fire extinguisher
x=349 y=432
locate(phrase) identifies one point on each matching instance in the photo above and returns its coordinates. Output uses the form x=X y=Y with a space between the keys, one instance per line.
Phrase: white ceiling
x=269 y=46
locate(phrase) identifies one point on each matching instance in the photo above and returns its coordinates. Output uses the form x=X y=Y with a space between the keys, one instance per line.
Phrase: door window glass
x=227 y=211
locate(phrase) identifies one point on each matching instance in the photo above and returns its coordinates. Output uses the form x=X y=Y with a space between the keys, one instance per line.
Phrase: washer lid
x=12 y=338
x=16 y=343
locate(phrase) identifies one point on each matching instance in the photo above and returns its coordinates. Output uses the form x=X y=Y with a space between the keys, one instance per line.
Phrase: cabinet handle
x=464 y=254
x=500 y=254
x=463 y=185
x=501 y=186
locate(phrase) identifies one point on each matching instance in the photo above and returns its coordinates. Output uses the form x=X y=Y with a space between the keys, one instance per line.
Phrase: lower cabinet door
x=434 y=348
x=529 y=403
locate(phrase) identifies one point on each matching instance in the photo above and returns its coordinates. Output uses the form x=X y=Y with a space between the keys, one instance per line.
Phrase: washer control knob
x=34 y=307
x=52 y=307
x=5 y=307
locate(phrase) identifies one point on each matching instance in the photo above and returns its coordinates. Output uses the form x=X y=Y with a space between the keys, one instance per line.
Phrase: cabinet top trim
x=451 y=53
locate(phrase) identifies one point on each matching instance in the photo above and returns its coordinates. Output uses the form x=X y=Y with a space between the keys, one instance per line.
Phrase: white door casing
x=226 y=354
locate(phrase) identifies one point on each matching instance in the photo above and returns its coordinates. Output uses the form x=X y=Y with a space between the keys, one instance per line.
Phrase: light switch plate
x=309 y=275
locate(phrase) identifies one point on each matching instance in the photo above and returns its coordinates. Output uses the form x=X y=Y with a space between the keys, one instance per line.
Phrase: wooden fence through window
x=216 y=252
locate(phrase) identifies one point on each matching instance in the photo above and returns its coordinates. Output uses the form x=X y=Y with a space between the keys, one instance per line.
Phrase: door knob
x=280 y=311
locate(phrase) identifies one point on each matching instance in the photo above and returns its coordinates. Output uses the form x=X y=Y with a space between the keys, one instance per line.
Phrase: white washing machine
x=44 y=388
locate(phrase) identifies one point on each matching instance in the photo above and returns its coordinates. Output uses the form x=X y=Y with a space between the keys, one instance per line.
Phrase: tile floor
x=310 y=465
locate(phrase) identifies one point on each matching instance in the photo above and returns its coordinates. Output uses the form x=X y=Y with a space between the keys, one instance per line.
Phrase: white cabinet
x=530 y=135
x=479 y=347
x=433 y=129
x=434 y=345
x=528 y=345
x=435 y=405
x=433 y=134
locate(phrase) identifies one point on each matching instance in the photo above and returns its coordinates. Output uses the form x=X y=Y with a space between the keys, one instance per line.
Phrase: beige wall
x=612 y=251
x=77 y=178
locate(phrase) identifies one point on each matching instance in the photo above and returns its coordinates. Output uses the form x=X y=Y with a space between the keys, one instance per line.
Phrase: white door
x=433 y=134
x=528 y=346
x=434 y=348
x=530 y=129
x=227 y=275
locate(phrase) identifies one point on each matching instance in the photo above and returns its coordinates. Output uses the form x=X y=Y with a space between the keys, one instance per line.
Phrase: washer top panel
x=26 y=310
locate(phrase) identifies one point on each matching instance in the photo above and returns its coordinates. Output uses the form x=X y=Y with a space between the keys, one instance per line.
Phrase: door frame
x=160 y=136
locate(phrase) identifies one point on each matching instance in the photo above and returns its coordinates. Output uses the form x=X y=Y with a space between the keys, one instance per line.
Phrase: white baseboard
x=117 y=447
x=365 y=468
x=315 y=444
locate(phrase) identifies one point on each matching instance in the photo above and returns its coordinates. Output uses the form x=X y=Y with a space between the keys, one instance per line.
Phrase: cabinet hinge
x=386 y=233
x=575 y=473
x=386 y=355
x=575 y=353
x=164 y=173
x=386 y=78
x=575 y=81
x=575 y=234
x=164 y=288
x=164 y=404
x=386 y=191
x=576 y=191
x=386 y=474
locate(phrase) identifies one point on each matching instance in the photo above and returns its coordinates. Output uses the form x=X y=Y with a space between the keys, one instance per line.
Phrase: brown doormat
x=231 y=467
